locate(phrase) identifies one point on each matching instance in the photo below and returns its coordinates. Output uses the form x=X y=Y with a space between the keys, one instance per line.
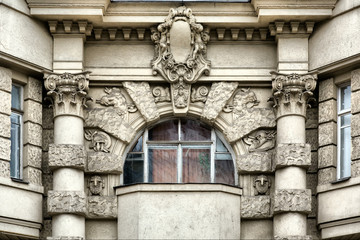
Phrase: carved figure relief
x=199 y=94
x=246 y=118
x=262 y=185
x=161 y=94
x=100 y=141
x=96 y=185
x=261 y=140
x=180 y=49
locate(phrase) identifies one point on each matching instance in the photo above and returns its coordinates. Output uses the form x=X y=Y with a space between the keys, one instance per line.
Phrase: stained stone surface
x=326 y=175
x=327 y=90
x=355 y=80
x=255 y=207
x=355 y=125
x=47 y=138
x=33 y=133
x=5 y=148
x=311 y=118
x=255 y=162
x=101 y=162
x=327 y=111
x=292 y=200
x=355 y=100
x=66 y=202
x=5 y=79
x=66 y=155
x=33 y=111
x=32 y=156
x=314 y=163
x=312 y=138
x=292 y=155
x=355 y=148
x=327 y=133
x=33 y=175
x=4 y=169
x=5 y=129
x=293 y=237
x=102 y=207
x=327 y=156
x=355 y=168
x=33 y=90
x=5 y=103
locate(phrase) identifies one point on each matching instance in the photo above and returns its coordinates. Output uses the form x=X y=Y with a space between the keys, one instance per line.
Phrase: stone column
x=67 y=200
x=292 y=201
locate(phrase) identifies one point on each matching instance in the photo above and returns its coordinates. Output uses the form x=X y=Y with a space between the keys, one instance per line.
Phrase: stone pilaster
x=67 y=201
x=292 y=201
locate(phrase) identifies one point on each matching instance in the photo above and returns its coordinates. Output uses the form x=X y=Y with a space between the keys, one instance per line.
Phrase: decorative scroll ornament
x=199 y=94
x=262 y=185
x=100 y=141
x=67 y=92
x=261 y=140
x=161 y=94
x=292 y=92
x=180 y=49
x=96 y=185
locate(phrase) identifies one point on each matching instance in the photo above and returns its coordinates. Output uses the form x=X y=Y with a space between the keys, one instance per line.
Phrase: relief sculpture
x=260 y=141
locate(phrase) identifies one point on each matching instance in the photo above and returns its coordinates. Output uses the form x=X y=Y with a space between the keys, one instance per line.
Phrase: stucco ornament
x=161 y=94
x=199 y=94
x=96 y=185
x=67 y=92
x=100 y=141
x=261 y=140
x=262 y=185
x=292 y=92
x=180 y=49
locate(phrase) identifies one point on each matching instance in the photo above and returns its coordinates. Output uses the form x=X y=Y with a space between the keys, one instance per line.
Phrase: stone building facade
x=179 y=119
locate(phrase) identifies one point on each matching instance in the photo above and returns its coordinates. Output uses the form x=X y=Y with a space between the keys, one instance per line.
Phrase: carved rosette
x=67 y=92
x=292 y=93
x=180 y=49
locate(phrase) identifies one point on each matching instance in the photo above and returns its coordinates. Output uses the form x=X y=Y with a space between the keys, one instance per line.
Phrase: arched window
x=179 y=151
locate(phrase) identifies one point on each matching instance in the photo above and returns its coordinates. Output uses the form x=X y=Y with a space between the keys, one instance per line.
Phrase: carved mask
x=96 y=185
x=262 y=185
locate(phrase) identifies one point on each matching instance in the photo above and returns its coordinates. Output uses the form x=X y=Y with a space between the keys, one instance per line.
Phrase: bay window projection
x=179 y=151
x=16 y=132
x=344 y=132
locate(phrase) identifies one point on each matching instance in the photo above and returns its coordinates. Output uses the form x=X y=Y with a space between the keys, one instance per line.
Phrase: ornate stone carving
x=66 y=202
x=293 y=154
x=219 y=94
x=161 y=94
x=102 y=207
x=261 y=140
x=66 y=155
x=141 y=95
x=255 y=162
x=292 y=200
x=96 y=185
x=100 y=141
x=255 y=207
x=262 y=185
x=199 y=94
x=180 y=49
x=292 y=92
x=246 y=118
x=100 y=162
x=68 y=92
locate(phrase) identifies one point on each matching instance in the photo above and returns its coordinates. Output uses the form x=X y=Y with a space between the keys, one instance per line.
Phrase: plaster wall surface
x=97 y=229
x=24 y=37
x=177 y=213
x=257 y=229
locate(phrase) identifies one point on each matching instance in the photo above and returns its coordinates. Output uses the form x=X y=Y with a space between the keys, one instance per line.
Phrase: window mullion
x=212 y=156
x=146 y=157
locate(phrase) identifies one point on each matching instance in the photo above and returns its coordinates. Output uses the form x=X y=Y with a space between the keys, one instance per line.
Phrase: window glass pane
x=345 y=120
x=164 y=131
x=220 y=147
x=162 y=165
x=345 y=95
x=138 y=146
x=15 y=145
x=16 y=97
x=134 y=168
x=194 y=131
x=345 y=150
x=196 y=165
x=224 y=171
x=223 y=156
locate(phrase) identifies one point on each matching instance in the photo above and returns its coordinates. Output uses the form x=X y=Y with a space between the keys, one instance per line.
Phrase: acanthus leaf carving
x=199 y=94
x=161 y=94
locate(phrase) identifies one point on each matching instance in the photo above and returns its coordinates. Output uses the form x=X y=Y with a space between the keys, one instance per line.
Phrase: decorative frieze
x=141 y=94
x=262 y=185
x=70 y=27
x=5 y=130
x=292 y=200
x=66 y=202
x=255 y=207
x=67 y=92
x=102 y=207
x=292 y=154
x=255 y=162
x=66 y=155
x=5 y=149
x=261 y=140
x=219 y=94
x=327 y=133
x=161 y=94
x=5 y=79
x=100 y=162
x=292 y=93
x=199 y=94
x=180 y=49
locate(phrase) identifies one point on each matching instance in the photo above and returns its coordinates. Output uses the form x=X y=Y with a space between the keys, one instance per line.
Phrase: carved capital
x=66 y=202
x=66 y=155
x=292 y=200
x=292 y=93
x=67 y=92
x=293 y=154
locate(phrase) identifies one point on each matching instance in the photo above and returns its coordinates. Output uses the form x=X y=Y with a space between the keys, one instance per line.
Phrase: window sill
x=340 y=180
x=18 y=180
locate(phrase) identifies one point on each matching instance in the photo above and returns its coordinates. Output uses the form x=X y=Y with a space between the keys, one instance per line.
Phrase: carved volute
x=292 y=93
x=180 y=49
x=67 y=92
